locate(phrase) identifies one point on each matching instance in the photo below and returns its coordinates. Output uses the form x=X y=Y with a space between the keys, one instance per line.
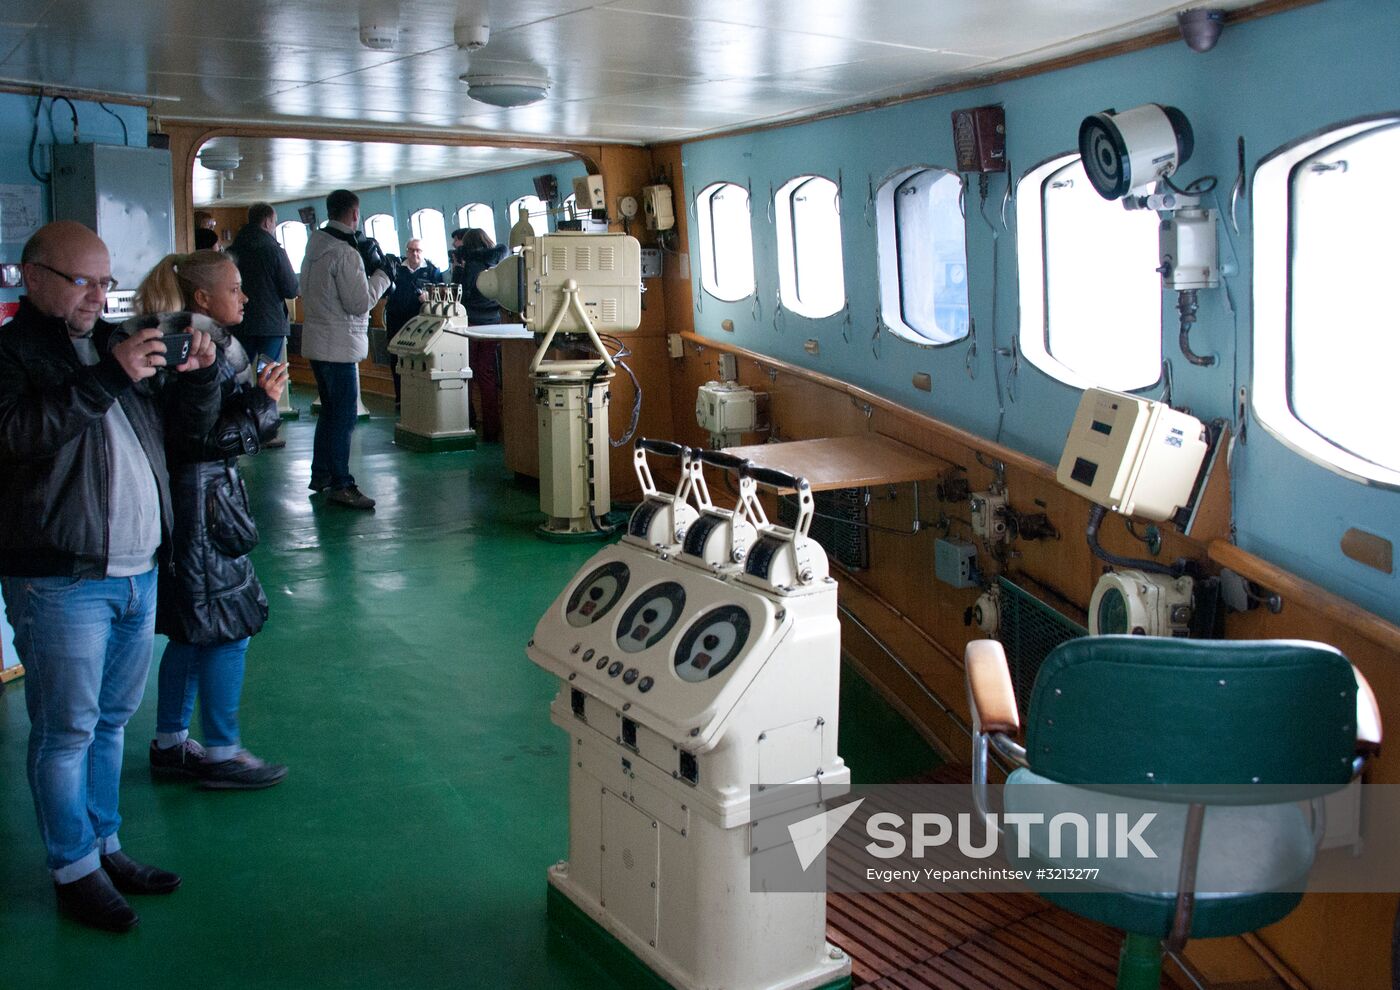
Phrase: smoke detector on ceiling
x=472 y=32
x=379 y=26
x=506 y=89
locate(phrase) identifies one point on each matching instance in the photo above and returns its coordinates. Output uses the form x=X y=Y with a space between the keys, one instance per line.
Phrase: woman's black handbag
x=228 y=516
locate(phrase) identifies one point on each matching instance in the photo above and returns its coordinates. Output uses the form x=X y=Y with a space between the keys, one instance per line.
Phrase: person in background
x=85 y=494
x=210 y=602
x=268 y=282
x=206 y=239
x=342 y=277
x=478 y=253
x=415 y=273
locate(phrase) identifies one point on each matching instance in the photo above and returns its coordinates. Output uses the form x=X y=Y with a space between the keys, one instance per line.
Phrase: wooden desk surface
x=845 y=462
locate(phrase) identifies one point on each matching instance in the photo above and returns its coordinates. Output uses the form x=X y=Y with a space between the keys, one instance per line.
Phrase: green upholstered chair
x=1229 y=743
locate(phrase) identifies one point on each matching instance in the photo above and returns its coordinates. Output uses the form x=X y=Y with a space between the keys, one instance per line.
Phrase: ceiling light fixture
x=379 y=25
x=506 y=89
x=471 y=32
x=220 y=158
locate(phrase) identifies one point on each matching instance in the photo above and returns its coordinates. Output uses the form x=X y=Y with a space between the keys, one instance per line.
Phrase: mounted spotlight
x=1200 y=27
x=1132 y=156
x=505 y=89
x=1135 y=148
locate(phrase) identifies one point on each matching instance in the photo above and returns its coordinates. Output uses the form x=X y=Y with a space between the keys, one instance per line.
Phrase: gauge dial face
x=712 y=643
x=597 y=594
x=650 y=617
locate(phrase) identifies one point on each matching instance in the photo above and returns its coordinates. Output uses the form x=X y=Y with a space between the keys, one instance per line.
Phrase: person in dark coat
x=85 y=495
x=268 y=281
x=209 y=601
x=415 y=273
x=478 y=253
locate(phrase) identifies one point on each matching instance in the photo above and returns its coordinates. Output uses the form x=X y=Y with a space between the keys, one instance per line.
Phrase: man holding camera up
x=342 y=276
x=84 y=490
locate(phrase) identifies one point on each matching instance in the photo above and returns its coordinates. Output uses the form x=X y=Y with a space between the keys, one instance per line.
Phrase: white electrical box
x=726 y=410
x=989 y=516
x=588 y=193
x=1136 y=603
x=656 y=204
x=1186 y=243
x=1132 y=455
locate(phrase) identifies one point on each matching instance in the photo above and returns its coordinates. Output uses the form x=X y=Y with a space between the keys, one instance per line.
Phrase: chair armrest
x=989 y=690
x=1368 y=717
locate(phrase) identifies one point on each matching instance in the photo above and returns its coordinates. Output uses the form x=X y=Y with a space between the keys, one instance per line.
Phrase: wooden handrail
x=1304 y=594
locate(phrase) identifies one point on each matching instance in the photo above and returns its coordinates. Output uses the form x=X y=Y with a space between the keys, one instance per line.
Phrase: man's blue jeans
x=215 y=673
x=86 y=650
x=338 y=383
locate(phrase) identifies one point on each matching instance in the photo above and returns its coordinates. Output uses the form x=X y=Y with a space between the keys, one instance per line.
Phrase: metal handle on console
x=719 y=459
x=776 y=477
x=665 y=448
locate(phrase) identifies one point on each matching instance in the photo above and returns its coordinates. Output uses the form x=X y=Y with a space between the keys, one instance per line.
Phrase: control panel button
x=587 y=655
x=644 y=685
x=602 y=661
x=615 y=669
x=631 y=675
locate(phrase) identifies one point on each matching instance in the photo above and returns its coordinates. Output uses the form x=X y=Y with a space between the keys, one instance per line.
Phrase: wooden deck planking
x=1009 y=941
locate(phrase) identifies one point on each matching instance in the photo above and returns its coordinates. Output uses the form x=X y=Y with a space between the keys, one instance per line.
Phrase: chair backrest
x=1275 y=720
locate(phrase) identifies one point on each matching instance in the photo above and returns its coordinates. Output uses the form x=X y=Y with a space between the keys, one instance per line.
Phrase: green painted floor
x=408 y=846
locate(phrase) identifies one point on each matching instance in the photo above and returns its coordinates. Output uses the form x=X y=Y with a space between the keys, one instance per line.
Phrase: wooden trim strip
x=1298 y=593
x=12 y=673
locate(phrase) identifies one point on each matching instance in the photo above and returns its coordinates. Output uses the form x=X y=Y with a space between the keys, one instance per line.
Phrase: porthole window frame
x=1032 y=331
x=787 y=239
x=703 y=228
x=1271 y=200
x=465 y=222
x=416 y=233
x=888 y=258
x=281 y=239
x=371 y=225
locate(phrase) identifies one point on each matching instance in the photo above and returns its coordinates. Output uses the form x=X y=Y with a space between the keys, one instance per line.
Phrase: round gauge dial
x=597 y=594
x=650 y=617
x=712 y=643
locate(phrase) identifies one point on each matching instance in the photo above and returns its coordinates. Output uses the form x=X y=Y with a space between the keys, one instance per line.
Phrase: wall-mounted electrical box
x=725 y=410
x=651 y=262
x=979 y=139
x=656 y=204
x=1132 y=455
x=588 y=193
x=124 y=195
x=989 y=516
x=955 y=563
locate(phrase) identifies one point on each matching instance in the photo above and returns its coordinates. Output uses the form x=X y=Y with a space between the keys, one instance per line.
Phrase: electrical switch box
x=955 y=563
x=656 y=204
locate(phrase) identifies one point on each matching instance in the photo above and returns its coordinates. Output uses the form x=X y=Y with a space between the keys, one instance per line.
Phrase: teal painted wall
x=1271 y=80
x=95 y=125
x=499 y=189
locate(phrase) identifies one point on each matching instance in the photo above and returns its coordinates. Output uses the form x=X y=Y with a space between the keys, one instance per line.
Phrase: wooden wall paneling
x=520 y=431
x=675 y=265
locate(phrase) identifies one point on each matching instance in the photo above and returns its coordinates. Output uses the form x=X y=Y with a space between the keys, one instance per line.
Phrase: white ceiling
x=641 y=71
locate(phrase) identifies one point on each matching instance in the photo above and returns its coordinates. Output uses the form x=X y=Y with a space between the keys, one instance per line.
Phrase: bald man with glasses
x=85 y=495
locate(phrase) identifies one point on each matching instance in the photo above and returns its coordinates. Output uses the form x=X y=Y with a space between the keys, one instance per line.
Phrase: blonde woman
x=209 y=602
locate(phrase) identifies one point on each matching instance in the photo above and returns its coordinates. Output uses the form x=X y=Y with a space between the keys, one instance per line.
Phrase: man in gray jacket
x=342 y=277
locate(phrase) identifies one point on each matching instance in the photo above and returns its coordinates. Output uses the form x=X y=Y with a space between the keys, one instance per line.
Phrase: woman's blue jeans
x=86 y=649
x=215 y=674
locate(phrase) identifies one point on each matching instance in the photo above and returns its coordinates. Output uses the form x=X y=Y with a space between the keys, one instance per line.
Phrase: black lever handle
x=665 y=448
x=775 y=477
x=720 y=459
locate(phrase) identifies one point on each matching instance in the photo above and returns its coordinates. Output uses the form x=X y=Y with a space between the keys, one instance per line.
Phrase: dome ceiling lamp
x=509 y=88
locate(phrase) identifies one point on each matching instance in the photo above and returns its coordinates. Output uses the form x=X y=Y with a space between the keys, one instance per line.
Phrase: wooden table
x=845 y=462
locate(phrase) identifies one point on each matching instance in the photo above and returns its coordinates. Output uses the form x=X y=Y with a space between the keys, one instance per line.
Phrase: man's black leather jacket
x=53 y=452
